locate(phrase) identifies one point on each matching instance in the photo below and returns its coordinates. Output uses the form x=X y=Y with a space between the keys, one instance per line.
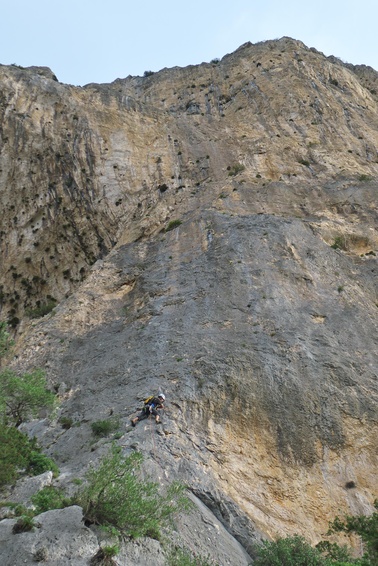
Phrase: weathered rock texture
x=257 y=315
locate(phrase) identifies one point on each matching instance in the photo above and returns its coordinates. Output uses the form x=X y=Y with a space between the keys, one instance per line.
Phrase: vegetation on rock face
x=172 y=225
x=365 y=527
x=295 y=551
x=116 y=497
x=39 y=463
x=48 y=498
x=290 y=551
x=41 y=310
x=104 y=556
x=23 y=396
x=18 y=453
x=104 y=427
x=5 y=340
x=339 y=243
x=41 y=554
x=235 y=169
x=23 y=525
x=14 y=453
x=66 y=422
x=183 y=557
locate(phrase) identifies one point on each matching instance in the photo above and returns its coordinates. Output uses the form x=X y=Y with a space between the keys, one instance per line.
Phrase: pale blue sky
x=85 y=41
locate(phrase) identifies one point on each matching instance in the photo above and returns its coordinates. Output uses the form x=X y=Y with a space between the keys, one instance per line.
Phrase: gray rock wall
x=255 y=314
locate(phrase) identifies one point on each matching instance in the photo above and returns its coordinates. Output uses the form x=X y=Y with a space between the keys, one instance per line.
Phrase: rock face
x=211 y=232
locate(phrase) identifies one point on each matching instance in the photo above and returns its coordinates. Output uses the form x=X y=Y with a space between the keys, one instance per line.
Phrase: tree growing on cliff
x=23 y=396
x=117 y=497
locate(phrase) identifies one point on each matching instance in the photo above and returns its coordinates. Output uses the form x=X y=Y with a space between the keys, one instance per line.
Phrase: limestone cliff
x=256 y=314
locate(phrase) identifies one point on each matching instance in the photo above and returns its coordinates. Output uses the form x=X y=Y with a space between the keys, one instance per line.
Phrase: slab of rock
x=60 y=538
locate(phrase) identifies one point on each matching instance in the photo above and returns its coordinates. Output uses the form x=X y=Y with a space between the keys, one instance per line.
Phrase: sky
x=85 y=41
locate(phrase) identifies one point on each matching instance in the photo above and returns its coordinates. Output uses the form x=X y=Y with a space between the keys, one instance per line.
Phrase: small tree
x=117 y=497
x=23 y=396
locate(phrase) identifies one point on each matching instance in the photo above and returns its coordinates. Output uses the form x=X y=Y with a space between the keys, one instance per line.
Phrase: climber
x=151 y=406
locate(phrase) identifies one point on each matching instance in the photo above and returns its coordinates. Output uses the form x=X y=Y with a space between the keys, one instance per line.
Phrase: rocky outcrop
x=209 y=231
x=85 y=168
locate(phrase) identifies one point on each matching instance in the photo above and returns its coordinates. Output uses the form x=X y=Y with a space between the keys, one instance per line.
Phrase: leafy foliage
x=49 y=498
x=364 y=526
x=23 y=525
x=183 y=557
x=337 y=554
x=173 y=224
x=39 y=463
x=105 y=427
x=18 y=452
x=289 y=551
x=104 y=556
x=23 y=396
x=41 y=310
x=295 y=551
x=15 y=450
x=235 y=169
x=304 y=162
x=116 y=497
x=339 y=243
x=66 y=422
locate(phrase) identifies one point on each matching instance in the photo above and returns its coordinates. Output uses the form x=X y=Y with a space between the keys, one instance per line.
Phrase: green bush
x=364 y=177
x=42 y=310
x=172 y=225
x=290 y=551
x=335 y=553
x=364 y=526
x=339 y=243
x=23 y=525
x=116 y=497
x=15 y=452
x=39 y=463
x=49 y=497
x=19 y=453
x=105 y=427
x=104 y=556
x=304 y=162
x=66 y=422
x=295 y=551
x=235 y=169
x=23 y=396
x=183 y=557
